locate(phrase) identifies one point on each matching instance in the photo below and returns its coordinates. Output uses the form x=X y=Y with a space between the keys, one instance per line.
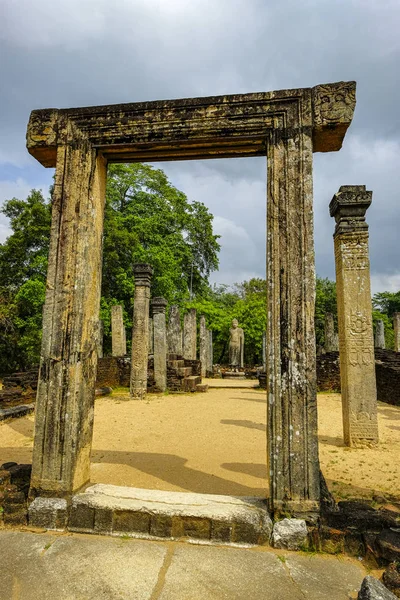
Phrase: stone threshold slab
x=120 y=511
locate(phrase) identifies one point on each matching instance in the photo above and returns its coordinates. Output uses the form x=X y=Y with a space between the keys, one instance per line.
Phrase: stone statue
x=236 y=346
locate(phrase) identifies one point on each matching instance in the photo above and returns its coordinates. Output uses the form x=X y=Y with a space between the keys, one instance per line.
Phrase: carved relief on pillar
x=361 y=351
x=354 y=253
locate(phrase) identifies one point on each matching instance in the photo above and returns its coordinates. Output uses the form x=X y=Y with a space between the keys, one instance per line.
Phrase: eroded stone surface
x=122 y=510
x=372 y=589
x=290 y=534
x=190 y=334
x=50 y=513
x=118 y=334
x=357 y=361
x=140 y=330
x=380 y=335
x=158 y=306
x=174 y=331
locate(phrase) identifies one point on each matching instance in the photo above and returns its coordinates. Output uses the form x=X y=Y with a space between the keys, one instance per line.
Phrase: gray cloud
x=84 y=52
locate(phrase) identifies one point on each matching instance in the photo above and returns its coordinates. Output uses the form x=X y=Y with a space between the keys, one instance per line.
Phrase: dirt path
x=215 y=443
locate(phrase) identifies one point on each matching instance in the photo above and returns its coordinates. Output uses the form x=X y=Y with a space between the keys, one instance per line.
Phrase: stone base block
x=233 y=375
x=184 y=371
x=202 y=387
x=290 y=534
x=115 y=510
x=48 y=513
x=189 y=383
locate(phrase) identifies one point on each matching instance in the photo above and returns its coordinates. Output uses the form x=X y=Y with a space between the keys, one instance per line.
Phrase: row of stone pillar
x=151 y=336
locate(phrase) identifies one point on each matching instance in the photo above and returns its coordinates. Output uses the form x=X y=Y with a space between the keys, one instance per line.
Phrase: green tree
x=325 y=302
x=245 y=302
x=146 y=220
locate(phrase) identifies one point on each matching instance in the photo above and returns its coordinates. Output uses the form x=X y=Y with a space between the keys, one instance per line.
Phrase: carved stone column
x=380 y=335
x=210 y=353
x=140 y=330
x=356 y=342
x=190 y=335
x=264 y=350
x=396 y=327
x=66 y=386
x=331 y=337
x=174 y=332
x=151 y=336
x=203 y=345
x=118 y=333
x=158 y=306
x=291 y=369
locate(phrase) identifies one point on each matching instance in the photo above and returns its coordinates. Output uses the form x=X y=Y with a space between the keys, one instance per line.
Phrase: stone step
x=189 y=383
x=176 y=364
x=121 y=511
x=185 y=371
x=201 y=387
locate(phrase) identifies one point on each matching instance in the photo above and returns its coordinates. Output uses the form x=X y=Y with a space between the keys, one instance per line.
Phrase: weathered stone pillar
x=190 y=334
x=174 y=332
x=264 y=350
x=291 y=368
x=140 y=330
x=151 y=336
x=100 y=333
x=331 y=337
x=356 y=342
x=396 y=327
x=210 y=353
x=380 y=335
x=118 y=333
x=203 y=345
x=66 y=386
x=158 y=306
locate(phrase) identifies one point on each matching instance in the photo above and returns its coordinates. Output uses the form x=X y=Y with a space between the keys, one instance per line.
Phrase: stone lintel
x=348 y=206
x=143 y=273
x=158 y=305
x=196 y=128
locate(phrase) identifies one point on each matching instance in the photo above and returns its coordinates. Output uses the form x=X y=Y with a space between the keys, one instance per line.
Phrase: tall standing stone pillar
x=380 y=335
x=264 y=350
x=210 y=353
x=140 y=330
x=203 y=345
x=356 y=341
x=118 y=333
x=331 y=338
x=396 y=327
x=151 y=336
x=68 y=364
x=158 y=306
x=190 y=335
x=174 y=332
x=291 y=367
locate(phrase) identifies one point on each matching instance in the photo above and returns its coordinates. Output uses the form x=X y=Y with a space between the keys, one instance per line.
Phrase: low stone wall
x=387 y=369
x=328 y=372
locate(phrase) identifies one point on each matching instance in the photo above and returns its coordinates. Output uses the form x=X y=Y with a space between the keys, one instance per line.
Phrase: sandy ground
x=215 y=443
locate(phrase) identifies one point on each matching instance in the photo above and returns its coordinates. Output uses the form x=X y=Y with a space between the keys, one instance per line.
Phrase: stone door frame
x=286 y=126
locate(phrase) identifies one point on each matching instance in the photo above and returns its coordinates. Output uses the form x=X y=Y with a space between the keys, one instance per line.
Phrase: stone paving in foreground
x=82 y=567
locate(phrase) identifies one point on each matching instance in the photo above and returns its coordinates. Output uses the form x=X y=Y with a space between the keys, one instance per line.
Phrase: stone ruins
x=118 y=333
x=356 y=341
x=286 y=126
x=380 y=335
x=331 y=337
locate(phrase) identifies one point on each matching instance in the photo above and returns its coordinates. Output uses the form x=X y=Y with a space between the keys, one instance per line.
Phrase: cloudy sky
x=68 y=53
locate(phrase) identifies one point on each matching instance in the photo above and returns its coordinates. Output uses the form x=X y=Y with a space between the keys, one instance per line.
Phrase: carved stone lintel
x=333 y=108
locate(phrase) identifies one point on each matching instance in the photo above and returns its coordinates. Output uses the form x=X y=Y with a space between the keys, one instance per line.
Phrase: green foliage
x=245 y=302
x=146 y=220
x=325 y=302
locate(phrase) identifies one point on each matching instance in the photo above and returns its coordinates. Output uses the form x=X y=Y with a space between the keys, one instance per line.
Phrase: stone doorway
x=286 y=126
